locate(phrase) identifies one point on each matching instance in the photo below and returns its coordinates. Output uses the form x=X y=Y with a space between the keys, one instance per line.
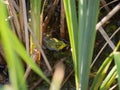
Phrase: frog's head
x=55 y=44
x=59 y=45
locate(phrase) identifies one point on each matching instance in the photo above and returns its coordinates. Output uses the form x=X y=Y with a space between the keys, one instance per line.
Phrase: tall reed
x=81 y=27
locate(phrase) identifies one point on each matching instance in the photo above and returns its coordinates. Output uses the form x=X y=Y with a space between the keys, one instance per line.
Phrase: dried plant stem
x=107 y=17
x=48 y=17
x=15 y=5
x=106 y=37
x=40 y=49
x=108 y=4
x=41 y=21
x=104 y=47
x=106 y=7
x=113 y=87
x=34 y=56
x=14 y=18
x=66 y=79
x=25 y=26
x=62 y=21
x=47 y=74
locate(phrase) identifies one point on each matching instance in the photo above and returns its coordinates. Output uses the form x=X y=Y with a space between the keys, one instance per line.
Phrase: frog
x=53 y=43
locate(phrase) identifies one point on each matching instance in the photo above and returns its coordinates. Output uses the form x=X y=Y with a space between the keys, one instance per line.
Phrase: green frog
x=53 y=43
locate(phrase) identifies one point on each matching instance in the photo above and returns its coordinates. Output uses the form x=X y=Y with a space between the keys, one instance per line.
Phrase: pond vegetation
x=59 y=45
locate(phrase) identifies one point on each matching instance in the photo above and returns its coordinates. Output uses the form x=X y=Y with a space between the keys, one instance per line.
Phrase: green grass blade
x=35 y=21
x=82 y=37
x=70 y=11
x=35 y=17
x=13 y=51
x=109 y=79
x=6 y=87
x=101 y=73
x=82 y=20
x=117 y=62
x=72 y=23
x=13 y=61
x=88 y=13
x=22 y=52
x=14 y=65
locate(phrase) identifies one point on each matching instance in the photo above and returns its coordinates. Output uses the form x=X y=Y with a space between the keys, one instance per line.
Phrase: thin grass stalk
x=117 y=61
x=70 y=11
x=109 y=79
x=25 y=25
x=101 y=73
x=14 y=20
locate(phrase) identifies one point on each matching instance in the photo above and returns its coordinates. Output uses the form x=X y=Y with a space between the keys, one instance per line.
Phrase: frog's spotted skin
x=53 y=44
